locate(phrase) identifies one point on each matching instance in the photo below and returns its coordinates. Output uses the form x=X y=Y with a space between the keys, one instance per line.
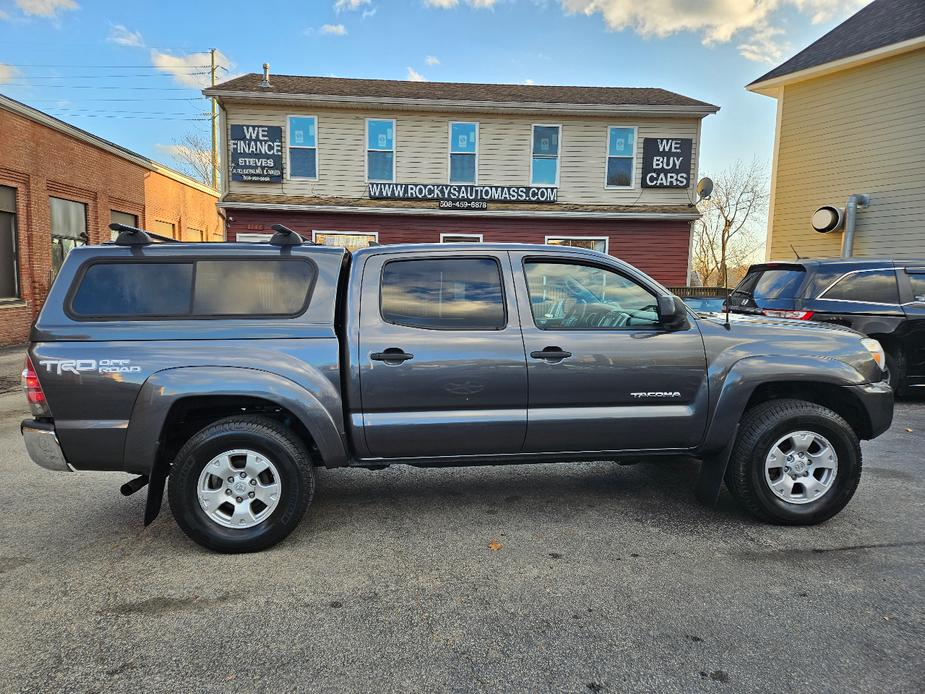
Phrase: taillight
x=34 y=393
x=795 y=315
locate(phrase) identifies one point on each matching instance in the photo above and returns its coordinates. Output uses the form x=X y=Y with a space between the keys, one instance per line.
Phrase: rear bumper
x=877 y=401
x=42 y=445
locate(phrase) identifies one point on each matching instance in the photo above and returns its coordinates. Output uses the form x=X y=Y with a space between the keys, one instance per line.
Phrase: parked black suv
x=884 y=299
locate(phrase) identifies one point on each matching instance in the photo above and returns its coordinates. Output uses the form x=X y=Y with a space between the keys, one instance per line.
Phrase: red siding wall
x=658 y=248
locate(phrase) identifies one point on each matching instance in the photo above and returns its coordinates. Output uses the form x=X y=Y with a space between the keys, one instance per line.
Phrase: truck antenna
x=795 y=252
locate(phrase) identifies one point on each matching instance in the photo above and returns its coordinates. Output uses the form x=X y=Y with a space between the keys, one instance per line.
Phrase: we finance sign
x=256 y=153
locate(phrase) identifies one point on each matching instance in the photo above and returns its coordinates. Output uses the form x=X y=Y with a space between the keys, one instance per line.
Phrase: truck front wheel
x=794 y=462
x=241 y=484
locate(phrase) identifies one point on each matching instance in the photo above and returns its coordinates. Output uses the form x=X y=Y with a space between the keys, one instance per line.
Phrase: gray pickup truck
x=236 y=369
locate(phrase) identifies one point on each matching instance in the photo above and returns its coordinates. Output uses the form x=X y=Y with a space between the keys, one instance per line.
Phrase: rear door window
x=875 y=286
x=772 y=283
x=193 y=289
x=918 y=286
x=444 y=294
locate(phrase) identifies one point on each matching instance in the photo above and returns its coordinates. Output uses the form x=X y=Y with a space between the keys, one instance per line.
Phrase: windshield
x=771 y=283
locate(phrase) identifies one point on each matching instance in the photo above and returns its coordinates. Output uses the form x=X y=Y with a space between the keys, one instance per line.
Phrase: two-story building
x=353 y=161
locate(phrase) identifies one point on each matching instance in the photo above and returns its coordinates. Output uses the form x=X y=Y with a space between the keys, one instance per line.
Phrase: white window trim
x=533 y=127
x=252 y=237
x=450 y=152
x=635 y=130
x=289 y=146
x=341 y=232
x=565 y=237
x=367 y=150
x=479 y=238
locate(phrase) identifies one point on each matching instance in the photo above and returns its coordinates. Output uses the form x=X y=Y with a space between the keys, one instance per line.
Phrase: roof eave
x=461 y=105
x=771 y=87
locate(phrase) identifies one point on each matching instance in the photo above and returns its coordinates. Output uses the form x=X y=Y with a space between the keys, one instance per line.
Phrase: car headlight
x=876 y=351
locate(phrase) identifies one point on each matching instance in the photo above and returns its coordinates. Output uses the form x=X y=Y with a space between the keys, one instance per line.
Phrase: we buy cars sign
x=666 y=162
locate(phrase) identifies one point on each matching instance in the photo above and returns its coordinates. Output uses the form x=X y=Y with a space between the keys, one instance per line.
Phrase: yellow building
x=851 y=120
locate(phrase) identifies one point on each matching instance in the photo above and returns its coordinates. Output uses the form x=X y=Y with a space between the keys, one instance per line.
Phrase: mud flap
x=712 y=471
x=156 y=491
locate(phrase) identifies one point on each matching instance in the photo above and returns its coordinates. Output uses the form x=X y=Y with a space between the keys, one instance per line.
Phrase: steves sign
x=256 y=153
x=666 y=162
x=450 y=192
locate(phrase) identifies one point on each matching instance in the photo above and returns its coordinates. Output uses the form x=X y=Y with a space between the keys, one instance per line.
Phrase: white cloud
x=334 y=29
x=717 y=21
x=432 y=60
x=7 y=73
x=529 y=81
x=45 y=8
x=4 y=15
x=371 y=12
x=123 y=36
x=450 y=4
x=415 y=76
x=342 y=5
x=191 y=69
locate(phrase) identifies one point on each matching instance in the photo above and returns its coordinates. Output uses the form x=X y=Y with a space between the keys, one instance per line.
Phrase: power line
x=148 y=66
x=96 y=77
x=106 y=115
x=110 y=86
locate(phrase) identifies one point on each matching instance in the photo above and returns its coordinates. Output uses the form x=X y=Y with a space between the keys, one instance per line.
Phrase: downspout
x=855 y=201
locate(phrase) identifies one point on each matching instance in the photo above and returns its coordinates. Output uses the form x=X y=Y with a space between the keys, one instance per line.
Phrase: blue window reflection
x=380 y=134
x=620 y=142
x=619 y=171
x=544 y=171
x=462 y=137
x=462 y=168
x=302 y=131
x=380 y=166
x=546 y=140
x=302 y=163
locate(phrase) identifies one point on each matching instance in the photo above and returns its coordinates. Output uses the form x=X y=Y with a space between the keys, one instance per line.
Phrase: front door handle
x=551 y=353
x=393 y=355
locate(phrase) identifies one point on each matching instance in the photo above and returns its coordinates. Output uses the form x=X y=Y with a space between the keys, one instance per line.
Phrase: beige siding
x=422 y=141
x=857 y=131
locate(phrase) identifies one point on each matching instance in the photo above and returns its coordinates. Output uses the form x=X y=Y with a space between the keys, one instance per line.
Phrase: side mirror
x=671 y=313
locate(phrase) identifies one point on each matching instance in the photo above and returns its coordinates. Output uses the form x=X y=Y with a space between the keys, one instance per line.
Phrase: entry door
x=443 y=371
x=603 y=374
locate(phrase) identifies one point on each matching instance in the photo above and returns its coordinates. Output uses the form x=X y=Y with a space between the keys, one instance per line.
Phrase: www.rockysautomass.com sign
x=462 y=192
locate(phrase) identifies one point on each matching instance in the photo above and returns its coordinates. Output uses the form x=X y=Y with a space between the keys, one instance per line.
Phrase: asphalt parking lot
x=602 y=578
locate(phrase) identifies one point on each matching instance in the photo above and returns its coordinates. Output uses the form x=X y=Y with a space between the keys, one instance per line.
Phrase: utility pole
x=214 y=127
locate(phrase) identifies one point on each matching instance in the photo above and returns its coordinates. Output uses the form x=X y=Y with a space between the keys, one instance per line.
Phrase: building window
x=303 y=147
x=380 y=150
x=68 y=229
x=250 y=237
x=125 y=218
x=593 y=243
x=347 y=239
x=621 y=156
x=9 y=262
x=460 y=238
x=163 y=228
x=464 y=152
x=544 y=166
x=443 y=294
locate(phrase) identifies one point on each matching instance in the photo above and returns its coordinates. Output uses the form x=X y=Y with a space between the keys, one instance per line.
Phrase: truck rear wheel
x=794 y=462
x=241 y=484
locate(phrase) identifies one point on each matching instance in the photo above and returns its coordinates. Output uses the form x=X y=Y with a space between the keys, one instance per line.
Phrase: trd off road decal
x=78 y=366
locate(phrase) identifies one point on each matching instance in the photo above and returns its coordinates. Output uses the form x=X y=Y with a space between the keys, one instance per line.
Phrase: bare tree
x=730 y=229
x=192 y=154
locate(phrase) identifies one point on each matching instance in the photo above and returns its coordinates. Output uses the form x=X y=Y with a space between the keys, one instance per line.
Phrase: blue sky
x=127 y=71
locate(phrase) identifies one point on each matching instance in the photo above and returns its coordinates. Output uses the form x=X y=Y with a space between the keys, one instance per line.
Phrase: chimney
x=265 y=82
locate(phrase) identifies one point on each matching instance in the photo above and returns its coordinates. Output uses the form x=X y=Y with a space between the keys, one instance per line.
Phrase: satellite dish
x=704 y=188
x=828 y=218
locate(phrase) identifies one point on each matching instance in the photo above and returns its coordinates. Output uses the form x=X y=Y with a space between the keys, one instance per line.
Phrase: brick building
x=60 y=187
x=350 y=162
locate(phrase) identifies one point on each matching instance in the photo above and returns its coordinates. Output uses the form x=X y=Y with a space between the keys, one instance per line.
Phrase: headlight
x=876 y=351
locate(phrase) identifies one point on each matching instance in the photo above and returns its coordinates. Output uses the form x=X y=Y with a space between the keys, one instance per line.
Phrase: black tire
x=264 y=436
x=896 y=372
x=760 y=429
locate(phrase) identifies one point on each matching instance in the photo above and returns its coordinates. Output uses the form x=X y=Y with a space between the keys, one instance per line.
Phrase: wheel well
x=838 y=399
x=189 y=415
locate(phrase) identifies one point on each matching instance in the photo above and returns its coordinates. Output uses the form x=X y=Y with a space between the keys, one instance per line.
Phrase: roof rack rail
x=285 y=236
x=133 y=236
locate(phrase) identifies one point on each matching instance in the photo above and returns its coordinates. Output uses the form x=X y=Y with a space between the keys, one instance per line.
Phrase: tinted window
x=450 y=294
x=251 y=287
x=878 y=287
x=581 y=297
x=772 y=284
x=222 y=287
x=135 y=290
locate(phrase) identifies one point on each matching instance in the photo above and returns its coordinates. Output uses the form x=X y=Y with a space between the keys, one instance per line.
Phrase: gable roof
x=462 y=93
x=882 y=23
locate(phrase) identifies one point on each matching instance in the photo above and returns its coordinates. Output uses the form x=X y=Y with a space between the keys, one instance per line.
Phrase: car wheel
x=794 y=462
x=241 y=484
x=895 y=371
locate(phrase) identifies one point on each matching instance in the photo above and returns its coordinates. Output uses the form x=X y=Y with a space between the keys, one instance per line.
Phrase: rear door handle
x=392 y=354
x=551 y=353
